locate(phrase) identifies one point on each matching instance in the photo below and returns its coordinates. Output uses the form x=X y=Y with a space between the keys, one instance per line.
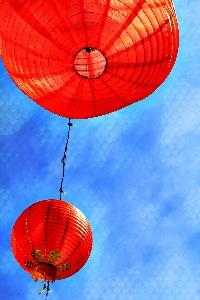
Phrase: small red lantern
x=85 y=58
x=51 y=240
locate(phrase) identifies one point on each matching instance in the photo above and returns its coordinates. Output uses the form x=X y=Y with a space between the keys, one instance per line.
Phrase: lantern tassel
x=43 y=289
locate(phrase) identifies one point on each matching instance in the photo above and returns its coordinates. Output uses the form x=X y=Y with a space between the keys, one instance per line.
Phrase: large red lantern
x=85 y=58
x=51 y=240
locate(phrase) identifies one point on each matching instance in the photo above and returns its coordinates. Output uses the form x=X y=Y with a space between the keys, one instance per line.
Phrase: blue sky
x=133 y=173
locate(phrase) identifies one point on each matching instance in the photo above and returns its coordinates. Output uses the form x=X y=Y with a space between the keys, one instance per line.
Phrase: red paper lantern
x=85 y=58
x=0 y=41
x=51 y=240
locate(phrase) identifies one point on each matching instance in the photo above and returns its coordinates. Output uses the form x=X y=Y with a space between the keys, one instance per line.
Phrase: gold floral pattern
x=53 y=258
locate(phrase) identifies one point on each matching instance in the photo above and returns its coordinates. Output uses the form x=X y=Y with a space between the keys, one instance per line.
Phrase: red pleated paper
x=51 y=238
x=85 y=58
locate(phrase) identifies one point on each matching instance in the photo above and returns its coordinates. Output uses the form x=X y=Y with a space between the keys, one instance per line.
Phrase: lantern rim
x=93 y=65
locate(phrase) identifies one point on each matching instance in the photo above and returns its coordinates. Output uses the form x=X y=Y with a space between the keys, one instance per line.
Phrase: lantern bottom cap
x=44 y=271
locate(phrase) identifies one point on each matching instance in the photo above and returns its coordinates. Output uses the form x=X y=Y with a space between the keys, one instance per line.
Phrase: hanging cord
x=64 y=158
x=48 y=290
